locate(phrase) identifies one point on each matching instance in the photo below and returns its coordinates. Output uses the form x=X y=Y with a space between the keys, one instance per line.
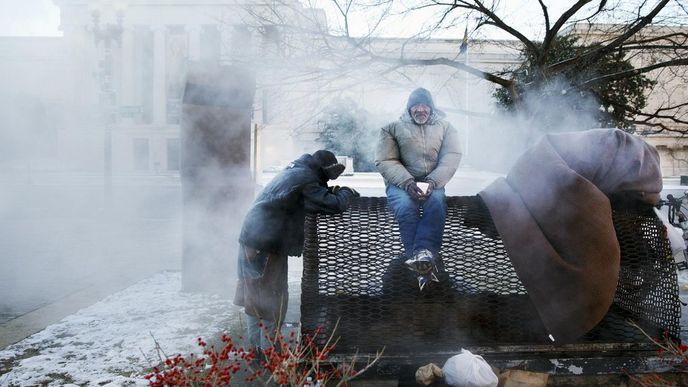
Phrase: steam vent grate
x=353 y=275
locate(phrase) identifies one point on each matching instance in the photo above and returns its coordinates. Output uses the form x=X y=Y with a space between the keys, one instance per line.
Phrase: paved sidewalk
x=17 y=328
x=113 y=341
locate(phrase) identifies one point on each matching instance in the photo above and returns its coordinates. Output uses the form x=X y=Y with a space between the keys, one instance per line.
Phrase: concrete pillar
x=194 y=34
x=75 y=39
x=76 y=43
x=159 y=75
x=127 y=75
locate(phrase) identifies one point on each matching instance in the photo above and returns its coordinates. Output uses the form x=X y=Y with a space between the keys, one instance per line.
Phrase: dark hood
x=309 y=162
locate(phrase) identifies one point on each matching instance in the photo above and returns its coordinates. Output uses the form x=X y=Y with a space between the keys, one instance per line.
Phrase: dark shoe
x=423 y=263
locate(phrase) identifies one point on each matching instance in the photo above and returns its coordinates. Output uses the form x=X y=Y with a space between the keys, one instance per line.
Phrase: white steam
x=61 y=230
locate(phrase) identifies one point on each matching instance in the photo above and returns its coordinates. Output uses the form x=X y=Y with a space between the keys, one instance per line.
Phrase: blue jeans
x=418 y=232
x=261 y=333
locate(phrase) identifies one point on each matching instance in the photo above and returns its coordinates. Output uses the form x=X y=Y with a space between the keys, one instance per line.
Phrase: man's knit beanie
x=329 y=163
x=420 y=96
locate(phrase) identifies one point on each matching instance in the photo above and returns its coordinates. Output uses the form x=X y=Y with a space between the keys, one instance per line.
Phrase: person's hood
x=308 y=161
x=420 y=96
x=305 y=160
x=329 y=164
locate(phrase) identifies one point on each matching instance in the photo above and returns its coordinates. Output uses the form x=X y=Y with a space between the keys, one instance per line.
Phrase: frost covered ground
x=112 y=343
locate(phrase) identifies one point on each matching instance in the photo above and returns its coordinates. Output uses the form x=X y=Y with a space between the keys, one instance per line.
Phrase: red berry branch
x=296 y=360
x=675 y=353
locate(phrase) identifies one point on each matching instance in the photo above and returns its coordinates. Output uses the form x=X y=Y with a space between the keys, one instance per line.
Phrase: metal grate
x=353 y=274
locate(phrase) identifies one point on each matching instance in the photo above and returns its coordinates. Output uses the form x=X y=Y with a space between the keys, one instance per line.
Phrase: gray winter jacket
x=409 y=152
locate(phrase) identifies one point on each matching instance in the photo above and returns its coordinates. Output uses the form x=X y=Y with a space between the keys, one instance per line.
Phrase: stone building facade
x=110 y=89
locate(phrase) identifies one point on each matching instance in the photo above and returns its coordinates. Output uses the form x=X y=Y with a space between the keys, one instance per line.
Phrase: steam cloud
x=61 y=233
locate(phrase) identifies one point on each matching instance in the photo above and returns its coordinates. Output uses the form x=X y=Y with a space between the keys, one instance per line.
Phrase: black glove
x=353 y=191
x=334 y=189
x=414 y=192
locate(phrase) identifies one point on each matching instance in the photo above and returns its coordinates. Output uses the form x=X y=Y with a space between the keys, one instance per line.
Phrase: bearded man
x=417 y=155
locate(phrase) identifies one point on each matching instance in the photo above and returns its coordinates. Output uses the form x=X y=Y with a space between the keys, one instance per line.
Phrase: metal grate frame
x=353 y=276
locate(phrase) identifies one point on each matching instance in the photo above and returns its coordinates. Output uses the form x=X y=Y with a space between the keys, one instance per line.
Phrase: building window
x=210 y=44
x=272 y=40
x=173 y=155
x=144 y=72
x=177 y=52
x=240 y=46
x=141 y=154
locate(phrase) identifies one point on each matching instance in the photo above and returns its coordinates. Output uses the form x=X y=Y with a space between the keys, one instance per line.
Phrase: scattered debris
x=468 y=370
x=429 y=374
x=519 y=378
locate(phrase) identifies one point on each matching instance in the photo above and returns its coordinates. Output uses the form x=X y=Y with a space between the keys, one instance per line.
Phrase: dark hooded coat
x=273 y=229
x=275 y=223
x=407 y=151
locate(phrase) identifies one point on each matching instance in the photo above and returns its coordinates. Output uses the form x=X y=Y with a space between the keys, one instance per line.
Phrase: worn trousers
x=262 y=290
x=261 y=333
x=418 y=231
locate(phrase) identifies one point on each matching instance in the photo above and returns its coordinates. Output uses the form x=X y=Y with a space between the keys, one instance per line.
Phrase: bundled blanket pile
x=554 y=216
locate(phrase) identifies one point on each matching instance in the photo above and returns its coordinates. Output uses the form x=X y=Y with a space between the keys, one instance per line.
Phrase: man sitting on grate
x=417 y=155
x=273 y=229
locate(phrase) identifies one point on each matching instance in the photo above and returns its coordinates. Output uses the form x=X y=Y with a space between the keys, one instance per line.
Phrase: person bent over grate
x=273 y=230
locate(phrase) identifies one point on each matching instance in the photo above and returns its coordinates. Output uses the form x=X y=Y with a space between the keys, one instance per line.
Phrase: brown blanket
x=554 y=217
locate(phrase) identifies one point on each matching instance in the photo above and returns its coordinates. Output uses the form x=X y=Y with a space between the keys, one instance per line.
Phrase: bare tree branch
x=661 y=116
x=630 y=73
x=446 y=62
x=603 y=50
x=552 y=33
x=337 y=60
x=545 y=14
x=492 y=18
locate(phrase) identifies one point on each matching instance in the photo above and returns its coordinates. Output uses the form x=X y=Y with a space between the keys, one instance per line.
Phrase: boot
x=423 y=263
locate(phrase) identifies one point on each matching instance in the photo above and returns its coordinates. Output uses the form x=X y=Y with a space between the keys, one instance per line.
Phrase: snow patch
x=112 y=342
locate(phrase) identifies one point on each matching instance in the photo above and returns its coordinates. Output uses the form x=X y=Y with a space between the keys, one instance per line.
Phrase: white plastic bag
x=675 y=234
x=468 y=370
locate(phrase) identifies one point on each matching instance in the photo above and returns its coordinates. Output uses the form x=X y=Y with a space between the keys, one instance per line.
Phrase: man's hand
x=353 y=191
x=431 y=187
x=415 y=192
x=334 y=189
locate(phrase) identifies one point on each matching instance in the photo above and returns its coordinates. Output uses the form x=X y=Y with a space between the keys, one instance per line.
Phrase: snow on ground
x=112 y=342
x=683 y=279
x=683 y=296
